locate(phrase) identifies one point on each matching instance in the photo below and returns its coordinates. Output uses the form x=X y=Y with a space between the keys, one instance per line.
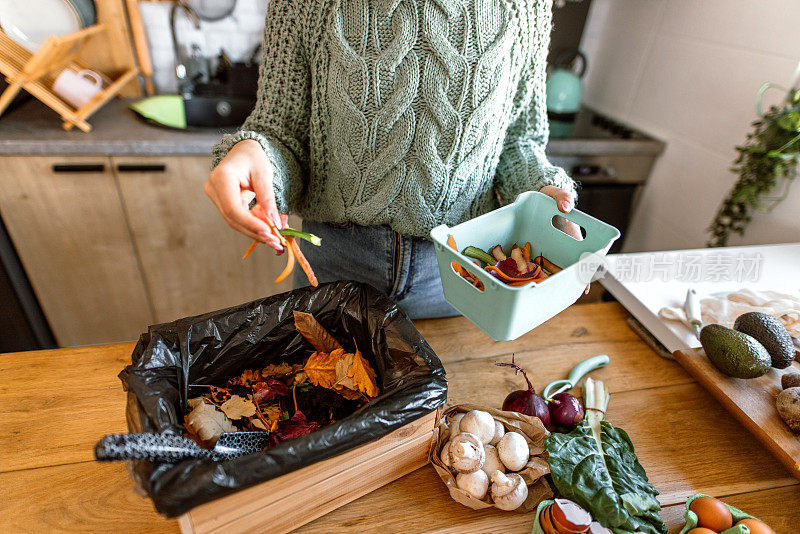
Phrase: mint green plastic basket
x=504 y=312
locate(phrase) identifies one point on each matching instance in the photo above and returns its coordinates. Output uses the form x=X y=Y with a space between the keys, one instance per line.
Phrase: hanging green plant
x=768 y=158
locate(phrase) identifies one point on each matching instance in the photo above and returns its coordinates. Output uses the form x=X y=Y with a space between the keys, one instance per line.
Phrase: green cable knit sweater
x=410 y=113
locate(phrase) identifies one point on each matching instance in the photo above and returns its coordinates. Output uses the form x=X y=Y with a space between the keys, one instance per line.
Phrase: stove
x=611 y=161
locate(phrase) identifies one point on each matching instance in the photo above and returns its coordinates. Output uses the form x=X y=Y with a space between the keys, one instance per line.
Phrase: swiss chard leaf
x=616 y=491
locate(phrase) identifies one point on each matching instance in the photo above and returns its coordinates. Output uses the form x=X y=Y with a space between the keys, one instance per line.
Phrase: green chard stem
x=596 y=400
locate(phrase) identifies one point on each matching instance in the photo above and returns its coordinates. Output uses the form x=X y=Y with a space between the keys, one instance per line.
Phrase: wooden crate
x=292 y=500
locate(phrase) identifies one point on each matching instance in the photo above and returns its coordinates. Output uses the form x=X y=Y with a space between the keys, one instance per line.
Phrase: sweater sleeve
x=280 y=119
x=523 y=165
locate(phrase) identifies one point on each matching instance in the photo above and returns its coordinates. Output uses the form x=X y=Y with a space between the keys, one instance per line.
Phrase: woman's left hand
x=565 y=202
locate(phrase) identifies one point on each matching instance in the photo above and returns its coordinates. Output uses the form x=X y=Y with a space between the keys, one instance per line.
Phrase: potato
x=788 y=404
x=790 y=380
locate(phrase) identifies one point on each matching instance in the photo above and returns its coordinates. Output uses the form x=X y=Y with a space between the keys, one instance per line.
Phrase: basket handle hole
x=565 y=226
x=473 y=282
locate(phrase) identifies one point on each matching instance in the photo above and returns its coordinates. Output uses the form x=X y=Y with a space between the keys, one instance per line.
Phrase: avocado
x=771 y=333
x=734 y=353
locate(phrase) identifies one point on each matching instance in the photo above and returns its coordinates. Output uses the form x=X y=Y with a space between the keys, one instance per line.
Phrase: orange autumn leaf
x=363 y=375
x=321 y=368
x=315 y=333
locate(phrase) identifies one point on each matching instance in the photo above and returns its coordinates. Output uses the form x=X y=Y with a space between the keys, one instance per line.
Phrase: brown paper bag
x=533 y=474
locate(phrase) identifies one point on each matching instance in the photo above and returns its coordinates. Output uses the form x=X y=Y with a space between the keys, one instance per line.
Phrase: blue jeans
x=401 y=267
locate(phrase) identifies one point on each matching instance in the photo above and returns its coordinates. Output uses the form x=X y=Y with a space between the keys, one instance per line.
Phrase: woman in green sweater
x=378 y=120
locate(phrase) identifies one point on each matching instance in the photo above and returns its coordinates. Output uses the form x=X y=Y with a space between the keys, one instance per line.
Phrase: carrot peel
x=301 y=259
x=250 y=249
x=289 y=266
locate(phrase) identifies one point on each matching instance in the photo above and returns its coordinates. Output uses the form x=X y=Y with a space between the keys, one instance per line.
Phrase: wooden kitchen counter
x=54 y=405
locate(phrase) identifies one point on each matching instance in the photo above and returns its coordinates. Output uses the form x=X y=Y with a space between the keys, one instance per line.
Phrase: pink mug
x=77 y=88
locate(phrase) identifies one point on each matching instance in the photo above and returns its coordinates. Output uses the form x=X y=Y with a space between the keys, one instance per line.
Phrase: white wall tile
x=704 y=91
x=688 y=73
x=778 y=226
x=683 y=193
x=765 y=26
x=618 y=54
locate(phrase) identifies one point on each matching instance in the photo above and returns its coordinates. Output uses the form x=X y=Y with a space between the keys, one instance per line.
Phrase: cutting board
x=751 y=402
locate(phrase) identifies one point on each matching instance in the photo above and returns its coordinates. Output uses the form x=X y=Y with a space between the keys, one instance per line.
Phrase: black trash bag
x=211 y=348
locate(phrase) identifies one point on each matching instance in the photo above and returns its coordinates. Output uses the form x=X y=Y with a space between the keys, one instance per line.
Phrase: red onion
x=565 y=410
x=525 y=401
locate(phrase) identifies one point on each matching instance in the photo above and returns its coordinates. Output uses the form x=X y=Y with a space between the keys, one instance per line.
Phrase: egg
x=712 y=514
x=755 y=526
x=701 y=530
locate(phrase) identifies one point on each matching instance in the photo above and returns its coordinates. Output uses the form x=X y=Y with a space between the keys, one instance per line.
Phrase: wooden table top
x=56 y=404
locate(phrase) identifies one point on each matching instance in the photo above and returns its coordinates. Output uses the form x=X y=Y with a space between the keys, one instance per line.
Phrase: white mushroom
x=514 y=451
x=478 y=423
x=454 y=424
x=476 y=483
x=492 y=462
x=499 y=432
x=508 y=491
x=466 y=453
x=444 y=456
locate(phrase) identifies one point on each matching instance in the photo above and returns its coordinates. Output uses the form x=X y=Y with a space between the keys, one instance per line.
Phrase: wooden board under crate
x=751 y=402
x=292 y=500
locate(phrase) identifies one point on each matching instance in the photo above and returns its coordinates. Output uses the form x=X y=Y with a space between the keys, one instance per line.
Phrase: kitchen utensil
x=649 y=339
x=31 y=22
x=77 y=88
x=579 y=371
x=87 y=11
x=212 y=10
x=167 y=448
x=692 y=309
x=564 y=91
x=505 y=312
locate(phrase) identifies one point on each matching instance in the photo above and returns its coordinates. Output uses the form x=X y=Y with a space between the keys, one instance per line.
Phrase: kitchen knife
x=692 y=309
x=171 y=449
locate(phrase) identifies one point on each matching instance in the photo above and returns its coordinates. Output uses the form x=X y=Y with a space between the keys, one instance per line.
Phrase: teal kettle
x=564 y=91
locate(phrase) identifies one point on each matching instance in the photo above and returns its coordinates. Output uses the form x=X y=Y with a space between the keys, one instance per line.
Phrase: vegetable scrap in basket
x=514 y=269
x=288 y=239
x=287 y=400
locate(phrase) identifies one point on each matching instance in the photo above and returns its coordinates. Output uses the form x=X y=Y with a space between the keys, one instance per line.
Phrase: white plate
x=31 y=22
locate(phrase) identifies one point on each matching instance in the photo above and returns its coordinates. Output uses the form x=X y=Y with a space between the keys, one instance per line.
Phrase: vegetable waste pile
x=286 y=400
x=515 y=269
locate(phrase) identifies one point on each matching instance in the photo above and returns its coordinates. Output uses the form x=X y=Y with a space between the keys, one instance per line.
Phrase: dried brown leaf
x=237 y=407
x=256 y=422
x=363 y=375
x=315 y=333
x=208 y=422
x=321 y=368
x=343 y=380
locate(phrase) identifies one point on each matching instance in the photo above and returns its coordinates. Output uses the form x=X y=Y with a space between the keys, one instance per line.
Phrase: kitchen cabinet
x=65 y=218
x=113 y=244
x=191 y=259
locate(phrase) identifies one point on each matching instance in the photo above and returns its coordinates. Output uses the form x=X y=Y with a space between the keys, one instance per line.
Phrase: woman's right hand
x=245 y=173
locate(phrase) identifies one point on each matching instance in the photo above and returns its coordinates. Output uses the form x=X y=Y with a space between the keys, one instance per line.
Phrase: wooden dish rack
x=36 y=72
